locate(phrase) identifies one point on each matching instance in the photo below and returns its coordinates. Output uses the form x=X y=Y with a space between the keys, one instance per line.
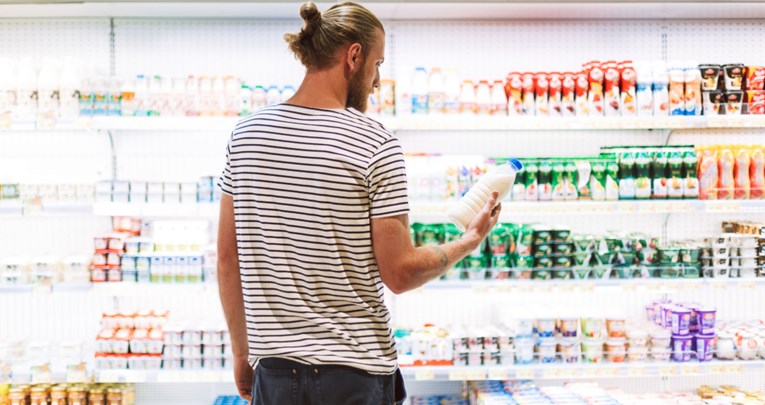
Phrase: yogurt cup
x=524 y=328
x=725 y=347
x=660 y=354
x=661 y=339
x=592 y=350
x=694 y=326
x=705 y=347
x=637 y=354
x=637 y=338
x=650 y=313
x=524 y=351
x=615 y=350
x=681 y=321
x=545 y=327
x=547 y=350
x=681 y=348
x=707 y=317
x=747 y=345
x=592 y=327
x=569 y=327
x=569 y=350
x=616 y=327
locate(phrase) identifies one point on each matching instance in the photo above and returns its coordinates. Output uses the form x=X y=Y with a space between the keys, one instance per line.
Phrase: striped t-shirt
x=306 y=183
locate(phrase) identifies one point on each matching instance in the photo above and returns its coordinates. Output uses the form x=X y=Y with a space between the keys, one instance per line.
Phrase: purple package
x=707 y=317
x=666 y=315
x=694 y=325
x=704 y=346
x=681 y=348
x=657 y=312
x=650 y=313
x=681 y=321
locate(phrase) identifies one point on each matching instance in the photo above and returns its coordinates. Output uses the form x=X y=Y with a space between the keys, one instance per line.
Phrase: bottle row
x=71 y=394
x=541 y=252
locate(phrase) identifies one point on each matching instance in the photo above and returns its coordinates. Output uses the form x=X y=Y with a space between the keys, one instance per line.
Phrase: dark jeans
x=285 y=382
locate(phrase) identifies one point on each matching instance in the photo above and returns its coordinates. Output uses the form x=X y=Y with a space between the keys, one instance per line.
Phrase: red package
x=541 y=92
x=582 y=85
x=514 y=92
x=596 y=93
x=568 y=94
x=755 y=101
x=755 y=78
x=628 y=89
x=528 y=94
x=612 y=95
x=555 y=82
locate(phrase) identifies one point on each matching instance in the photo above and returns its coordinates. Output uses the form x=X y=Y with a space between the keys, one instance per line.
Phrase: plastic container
x=592 y=350
x=706 y=318
x=725 y=347
x=615 y=350
x=747 y=345
x=499 y=179
x=681 y=347
x=705 y=347
x=681 y=321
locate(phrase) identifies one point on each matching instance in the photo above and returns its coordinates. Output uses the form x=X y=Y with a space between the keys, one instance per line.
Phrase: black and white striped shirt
x=306 y=182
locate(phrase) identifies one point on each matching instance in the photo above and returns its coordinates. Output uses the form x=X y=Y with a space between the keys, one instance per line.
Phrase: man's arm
x=404 y=267
x=230 y=289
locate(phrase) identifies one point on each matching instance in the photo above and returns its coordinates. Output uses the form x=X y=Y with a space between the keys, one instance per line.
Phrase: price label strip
x=498 y=374
x=551 y=373
x=524 y=374
x=458 y=375
x=717 y=369
x=636 y=371
x=667 y=371
x=689 y=369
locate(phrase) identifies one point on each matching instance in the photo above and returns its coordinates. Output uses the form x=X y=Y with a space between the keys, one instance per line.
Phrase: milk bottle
x=467 y=98
x=420 y=91
x=483 y=98
x=498 y=99
x=499 y=179
x=436 y=95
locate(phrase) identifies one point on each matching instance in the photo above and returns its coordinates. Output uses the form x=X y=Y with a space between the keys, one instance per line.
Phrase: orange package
x=707 y=173
x=629 y=89
x=741 y=174
x=757 y=173
x=726 y=165
x=611 y=93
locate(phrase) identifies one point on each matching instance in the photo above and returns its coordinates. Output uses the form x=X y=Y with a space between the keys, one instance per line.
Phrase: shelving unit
x=484 y=41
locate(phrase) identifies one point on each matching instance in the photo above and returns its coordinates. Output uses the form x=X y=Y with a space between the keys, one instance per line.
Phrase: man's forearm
x=232 y=300
x=430 y=262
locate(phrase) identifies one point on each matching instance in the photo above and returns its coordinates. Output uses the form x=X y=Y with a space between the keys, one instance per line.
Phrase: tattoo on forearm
x=444 y=257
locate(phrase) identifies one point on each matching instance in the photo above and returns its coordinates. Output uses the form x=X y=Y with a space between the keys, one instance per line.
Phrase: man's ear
x=353 y=57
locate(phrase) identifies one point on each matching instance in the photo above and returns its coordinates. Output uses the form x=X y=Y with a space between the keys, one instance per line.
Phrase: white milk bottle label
x=499 y=179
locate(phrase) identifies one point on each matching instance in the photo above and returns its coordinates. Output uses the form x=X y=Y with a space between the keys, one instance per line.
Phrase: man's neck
x=322 y=89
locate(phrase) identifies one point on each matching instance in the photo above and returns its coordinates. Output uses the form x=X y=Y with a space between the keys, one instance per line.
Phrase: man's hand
x=483 y=223
x=243 y=375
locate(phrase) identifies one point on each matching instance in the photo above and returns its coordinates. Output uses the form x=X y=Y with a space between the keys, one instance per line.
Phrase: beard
x=358 y=94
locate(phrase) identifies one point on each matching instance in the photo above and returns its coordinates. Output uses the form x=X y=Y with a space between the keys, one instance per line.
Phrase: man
x=313 y=223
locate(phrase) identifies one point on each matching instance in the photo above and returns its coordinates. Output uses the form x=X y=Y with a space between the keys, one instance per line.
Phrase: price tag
x=76 y=373
x=667 y=371
x=551 y=373
x=653 y=286
x=458 y=375
x=524 y=374
x=629 y=286
x=424 y=375
x=588 y=287
x=636 y=371
x=689 y=369
x=498 y=374
x=568 y=372
x=719 y=285
x=723 y=206
x=747 y=284
x=566 y=287
x=6 y=374
x=41 y=374
x=735 y=369
x=717 y=369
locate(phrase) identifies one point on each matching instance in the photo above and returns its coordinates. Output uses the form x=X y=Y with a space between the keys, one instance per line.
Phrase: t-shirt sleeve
x=386 y=181
x=225 y=181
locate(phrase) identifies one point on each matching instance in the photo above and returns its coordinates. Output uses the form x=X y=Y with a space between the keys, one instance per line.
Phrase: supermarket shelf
x=424 y=123
x=163 y=376
x=195 y=210
x=398 y=10
x=437 y=211
x=114 y=289
x=590 y=285
x=559 y=371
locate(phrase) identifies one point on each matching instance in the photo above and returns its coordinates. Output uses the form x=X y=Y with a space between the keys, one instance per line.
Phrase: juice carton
x=529 y=106
x=514 y=93
x=629 y=90
x=676 y=91
x=555 y=94
x=612 y=96
x=541 y=94
x=582 y=86
x=596 y=94
x=692 y=100
x=568 y=95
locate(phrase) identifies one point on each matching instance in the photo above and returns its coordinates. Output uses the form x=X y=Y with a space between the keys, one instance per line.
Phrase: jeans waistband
x=279 y=363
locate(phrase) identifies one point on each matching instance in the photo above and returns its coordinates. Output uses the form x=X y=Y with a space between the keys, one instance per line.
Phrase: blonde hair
x=317 y=43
